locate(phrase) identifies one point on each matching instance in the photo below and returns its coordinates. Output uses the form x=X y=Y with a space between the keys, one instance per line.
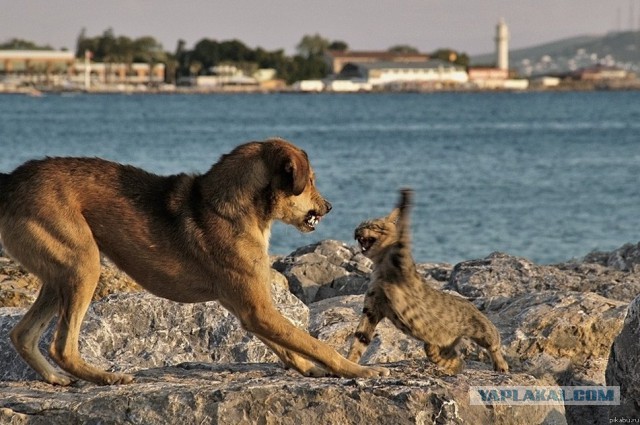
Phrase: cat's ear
x=393 y=216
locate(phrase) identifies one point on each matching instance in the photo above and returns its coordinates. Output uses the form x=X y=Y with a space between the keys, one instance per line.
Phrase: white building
x=387 y=74
x=309 y=86
x=347 y=86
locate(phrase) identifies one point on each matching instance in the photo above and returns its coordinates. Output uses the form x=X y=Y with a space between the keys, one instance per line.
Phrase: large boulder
x=194 y=363
x=324 y=270
x=195 y=393
x=505 y=276
x=623 y=368
x=332 y=268
x=626 y=258
x=566 y=326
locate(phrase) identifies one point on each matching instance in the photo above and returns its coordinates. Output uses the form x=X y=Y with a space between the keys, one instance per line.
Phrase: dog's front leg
x=266 y=322
x=295 y=361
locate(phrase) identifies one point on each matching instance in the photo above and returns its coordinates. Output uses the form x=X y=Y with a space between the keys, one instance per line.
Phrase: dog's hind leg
x=27 y=333
x=78 y=286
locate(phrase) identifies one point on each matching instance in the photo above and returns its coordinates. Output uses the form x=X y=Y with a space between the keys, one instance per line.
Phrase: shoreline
x=36 y=91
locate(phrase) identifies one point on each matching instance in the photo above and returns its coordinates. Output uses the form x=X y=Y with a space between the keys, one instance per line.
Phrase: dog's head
x=376 y=235
x=296 y=200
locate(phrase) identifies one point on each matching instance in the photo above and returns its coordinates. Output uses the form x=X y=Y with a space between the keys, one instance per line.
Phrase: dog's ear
x=296 y=169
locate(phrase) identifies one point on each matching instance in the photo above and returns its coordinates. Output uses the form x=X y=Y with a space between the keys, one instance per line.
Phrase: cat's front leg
x=371 y=316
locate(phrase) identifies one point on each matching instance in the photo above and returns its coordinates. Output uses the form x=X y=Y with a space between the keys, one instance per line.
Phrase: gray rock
x=194 y=364
x=194 y=393
x=571 y=326
x=623 y=368
x=323 y=270
x=626 y=258
x=331 y=268
x=504 y=276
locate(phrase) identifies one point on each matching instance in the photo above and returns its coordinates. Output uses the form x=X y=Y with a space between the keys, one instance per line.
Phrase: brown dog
x=185 y=238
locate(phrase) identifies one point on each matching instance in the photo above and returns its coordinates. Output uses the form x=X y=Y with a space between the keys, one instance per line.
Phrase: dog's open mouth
x=365 y=243
x=311 y=220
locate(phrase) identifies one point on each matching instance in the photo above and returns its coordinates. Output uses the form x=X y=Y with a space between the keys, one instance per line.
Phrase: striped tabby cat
x=398 y=293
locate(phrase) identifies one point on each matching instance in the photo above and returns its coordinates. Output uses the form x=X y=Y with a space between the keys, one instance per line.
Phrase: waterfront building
x=117 y=73
x=35 y=66
x=430 y=74
x=600 y=73
x=57 y=68
x=336 y=60
x=308 y=86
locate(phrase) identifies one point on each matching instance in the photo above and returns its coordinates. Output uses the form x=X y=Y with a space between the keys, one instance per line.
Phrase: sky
x=463 y=25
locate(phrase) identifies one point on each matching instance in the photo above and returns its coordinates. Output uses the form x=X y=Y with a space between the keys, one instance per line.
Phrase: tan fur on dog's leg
x=79 y=288
x=264 y=320
x=26 y=334
x=295 y=361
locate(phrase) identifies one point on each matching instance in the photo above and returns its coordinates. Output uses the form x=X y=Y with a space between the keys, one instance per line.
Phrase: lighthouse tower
x=502 y=45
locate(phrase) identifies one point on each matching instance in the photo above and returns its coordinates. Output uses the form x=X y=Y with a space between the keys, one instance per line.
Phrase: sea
x=549 y=176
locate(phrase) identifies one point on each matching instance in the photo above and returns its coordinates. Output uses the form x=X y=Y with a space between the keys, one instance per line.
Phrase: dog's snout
x=327 y=206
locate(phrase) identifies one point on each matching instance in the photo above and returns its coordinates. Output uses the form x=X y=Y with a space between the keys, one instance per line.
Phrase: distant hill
x=616 y=48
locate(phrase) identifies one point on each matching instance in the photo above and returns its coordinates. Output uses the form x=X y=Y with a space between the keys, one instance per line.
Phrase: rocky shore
x=575 y=323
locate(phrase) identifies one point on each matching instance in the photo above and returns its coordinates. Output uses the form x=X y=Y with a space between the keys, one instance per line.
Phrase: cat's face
x=376 y=235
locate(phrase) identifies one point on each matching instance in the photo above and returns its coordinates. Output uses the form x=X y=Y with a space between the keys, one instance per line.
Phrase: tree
x=235 y=51
x=209 y=53
x=19 y=44
x=338 y=46
x=124 y=51
x=403 y=48
x=450 y=55
x=206 y=53
x=312 y=45
x=147 y=49
x=81 y=42
x=106 y=45
x=181 y=58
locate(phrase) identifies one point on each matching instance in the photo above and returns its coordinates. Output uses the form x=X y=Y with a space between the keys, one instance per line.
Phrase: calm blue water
x=547 y=176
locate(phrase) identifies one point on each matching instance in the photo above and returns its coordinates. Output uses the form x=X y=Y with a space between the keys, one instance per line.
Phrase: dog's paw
x=61 y=379
x=317 y=372
x=501 y=367
x=375 y=372
x=117 y=379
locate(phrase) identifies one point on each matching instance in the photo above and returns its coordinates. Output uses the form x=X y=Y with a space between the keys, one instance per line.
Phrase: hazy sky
x=464 y=25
